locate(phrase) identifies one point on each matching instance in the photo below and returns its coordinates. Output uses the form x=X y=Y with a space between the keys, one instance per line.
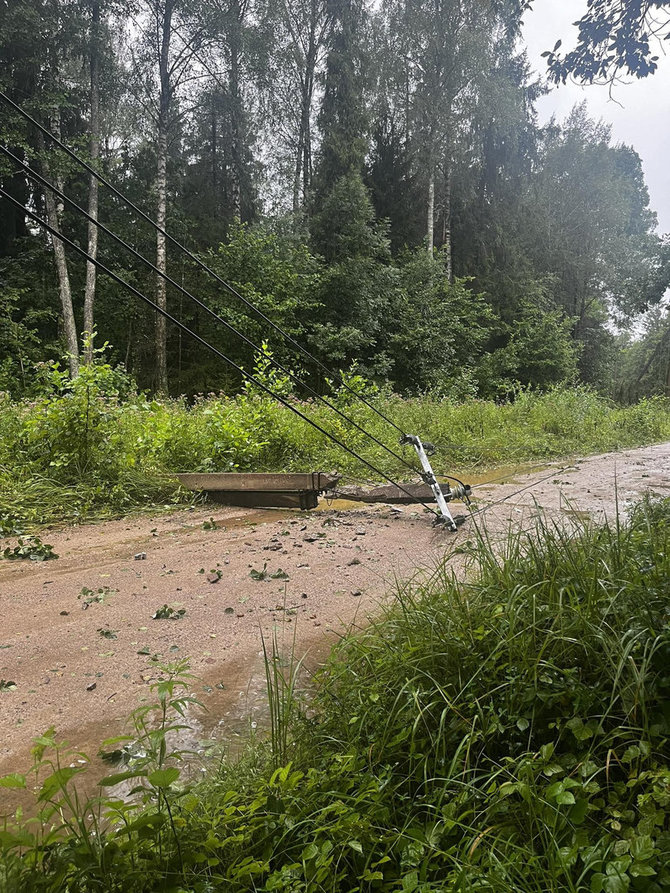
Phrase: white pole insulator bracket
x=429 y=477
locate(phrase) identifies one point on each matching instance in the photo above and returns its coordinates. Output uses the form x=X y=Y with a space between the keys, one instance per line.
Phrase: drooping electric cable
x=34 y=175
x=200 y=263
x=247 y=375
x=518 y=492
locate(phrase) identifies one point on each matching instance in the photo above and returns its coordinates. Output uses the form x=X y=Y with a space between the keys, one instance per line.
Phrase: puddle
x=504 y=474
x=341 y=505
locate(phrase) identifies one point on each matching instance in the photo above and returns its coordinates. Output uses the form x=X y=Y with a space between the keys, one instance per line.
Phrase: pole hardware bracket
x=430 y=479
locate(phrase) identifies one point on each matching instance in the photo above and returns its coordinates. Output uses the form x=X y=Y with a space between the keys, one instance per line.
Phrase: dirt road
x=77 y=634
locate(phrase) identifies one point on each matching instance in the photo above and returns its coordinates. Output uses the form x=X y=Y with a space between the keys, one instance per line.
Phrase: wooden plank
x=230 y=482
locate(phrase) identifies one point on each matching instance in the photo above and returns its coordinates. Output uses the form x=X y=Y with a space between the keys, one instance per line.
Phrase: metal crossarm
x=429 y=477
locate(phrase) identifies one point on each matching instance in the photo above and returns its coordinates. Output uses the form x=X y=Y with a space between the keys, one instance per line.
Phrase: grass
x=508 y=733
x=96 y=449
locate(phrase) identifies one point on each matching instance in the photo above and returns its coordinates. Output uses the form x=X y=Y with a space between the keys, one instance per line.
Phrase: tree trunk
x=215 y=172
x=430 y=222
x=161 y=198
x=54 y=217
x=447 y=248
x=303 y=165
x=299 y=157
x=236 y=114
x=94 y=150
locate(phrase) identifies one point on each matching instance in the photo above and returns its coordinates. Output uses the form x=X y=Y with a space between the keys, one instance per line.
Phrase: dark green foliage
x=342 y=118
x=411 y=94
x=359 y=283
x=614 y=36
x=508 y=733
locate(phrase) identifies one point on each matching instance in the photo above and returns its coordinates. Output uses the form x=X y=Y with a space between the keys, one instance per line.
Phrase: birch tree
x=447 y=47
x=300 y=29
x=94 y=155
x=165 y=59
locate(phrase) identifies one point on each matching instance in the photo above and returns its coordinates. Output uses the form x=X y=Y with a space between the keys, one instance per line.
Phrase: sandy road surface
x=84 y=669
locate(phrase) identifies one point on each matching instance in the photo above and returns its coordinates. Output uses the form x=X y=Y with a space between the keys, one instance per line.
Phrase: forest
x=372 y=177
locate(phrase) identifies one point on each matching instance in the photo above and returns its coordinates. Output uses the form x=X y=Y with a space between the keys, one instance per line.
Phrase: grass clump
x=509 y=733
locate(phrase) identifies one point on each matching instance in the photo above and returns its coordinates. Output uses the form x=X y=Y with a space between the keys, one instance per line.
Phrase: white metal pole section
x=430 y=479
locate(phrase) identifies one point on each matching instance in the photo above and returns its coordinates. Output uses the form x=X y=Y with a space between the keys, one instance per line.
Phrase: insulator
x=460 y=492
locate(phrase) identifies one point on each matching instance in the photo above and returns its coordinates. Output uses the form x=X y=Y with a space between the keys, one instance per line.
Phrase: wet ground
x=78 y=634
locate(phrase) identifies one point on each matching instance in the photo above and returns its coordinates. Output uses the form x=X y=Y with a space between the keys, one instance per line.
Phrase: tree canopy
x=372 y=176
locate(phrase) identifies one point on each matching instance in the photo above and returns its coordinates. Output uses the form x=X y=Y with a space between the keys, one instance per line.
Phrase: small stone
x=229 y=610
x=91 y=686
x=64 y=613
x=353 y=562
x=303 y=595
x=214 y=577
x=356 y=593
x=361 y=532
x=140 y=556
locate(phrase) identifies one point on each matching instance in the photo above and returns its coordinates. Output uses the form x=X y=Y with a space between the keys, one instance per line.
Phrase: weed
x=265 y=574
x=102 y=450
x=80 y=842
x=210 y=525
x=168 y=613
x=108 y=633
x=10 y=527
x=7 y=685
x=29 y=548
x=95 y=596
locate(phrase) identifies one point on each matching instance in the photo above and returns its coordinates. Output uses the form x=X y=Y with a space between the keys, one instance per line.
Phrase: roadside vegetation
x=95 y=447
x=509 y=733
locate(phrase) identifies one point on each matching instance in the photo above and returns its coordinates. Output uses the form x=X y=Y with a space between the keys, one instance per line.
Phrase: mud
x=342 y=561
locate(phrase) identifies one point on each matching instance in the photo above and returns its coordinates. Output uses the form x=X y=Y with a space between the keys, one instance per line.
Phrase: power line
x=44 y=182
x=491 y=505
x=138 y=294
x=196 y=259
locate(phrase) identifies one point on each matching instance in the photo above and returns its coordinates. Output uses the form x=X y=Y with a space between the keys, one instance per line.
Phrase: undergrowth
x=509 y=733
x=96 y=448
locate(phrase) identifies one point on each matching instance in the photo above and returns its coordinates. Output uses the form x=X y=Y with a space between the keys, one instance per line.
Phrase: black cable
x=44 y=182
x=194 y=258
x=131 y=288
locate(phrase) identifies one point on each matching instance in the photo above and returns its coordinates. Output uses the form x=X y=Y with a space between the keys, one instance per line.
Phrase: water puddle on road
x=504 y=474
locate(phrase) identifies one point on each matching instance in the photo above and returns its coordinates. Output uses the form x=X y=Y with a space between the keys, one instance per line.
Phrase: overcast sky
x=640 y=114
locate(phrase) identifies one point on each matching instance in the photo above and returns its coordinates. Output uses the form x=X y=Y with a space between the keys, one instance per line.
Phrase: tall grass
x=92 y=449
x=507 y=733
